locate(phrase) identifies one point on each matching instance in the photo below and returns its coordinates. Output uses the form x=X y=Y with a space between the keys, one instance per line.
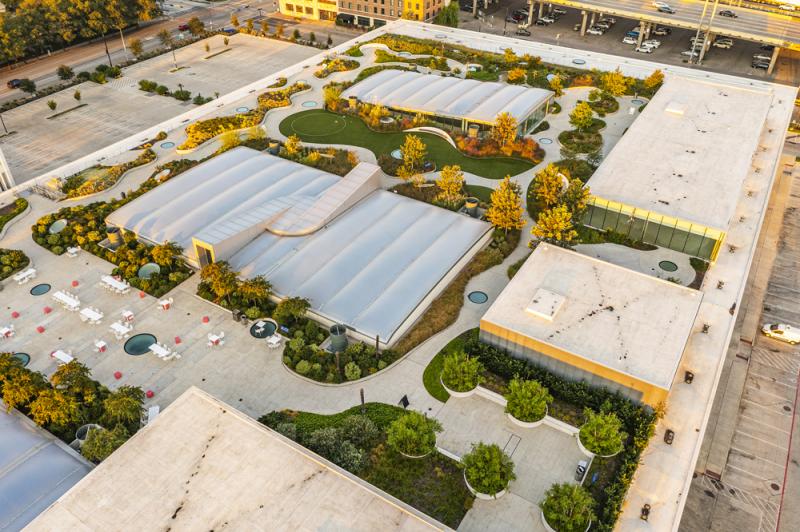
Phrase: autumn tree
x=235 y=21
x=450 y=184
x=654 y=80
x=575 y=198
x=292 y=146
x=506 y=210
x=254 y=290
x=74 y=379
x=548 y=184
x=100 y=443
x=582 y=116
x=509 y=56
x=20 y=387
x=165 y=37
x=220 y=278
x=414 y=152
x=54 y=407
x=124 y=405
x=332 y=95
x=136 y=47
x=557 y=86
x=516 y=75
x=614 y=82
x=555 y=226
x=166 y=254
x=505 y=129
x=196 y=26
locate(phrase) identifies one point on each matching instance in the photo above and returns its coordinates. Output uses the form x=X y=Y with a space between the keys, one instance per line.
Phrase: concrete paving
x=647 y=262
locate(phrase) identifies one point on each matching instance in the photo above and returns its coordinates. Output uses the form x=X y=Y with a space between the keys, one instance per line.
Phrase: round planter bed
x=528 y=424
x=483 y=496
x=416 y=457
x=551 y=529
x=453 y=393
x=589 y=453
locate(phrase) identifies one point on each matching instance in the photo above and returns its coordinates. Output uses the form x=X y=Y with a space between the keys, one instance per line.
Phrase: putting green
x=324 y=127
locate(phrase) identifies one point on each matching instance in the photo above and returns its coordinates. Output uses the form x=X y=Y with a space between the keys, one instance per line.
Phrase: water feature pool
x=269 y=329
x=167 y=145
x=668 y=266
x=578 y=62
x=40 y=289
x=478 y=297
x=637 y=101
x=309 y=104
x=139 y=344
x=242 y=109
x=148 y=270
x=545 y=140
x=397 y=154
x=57 y=226
x=25 y=358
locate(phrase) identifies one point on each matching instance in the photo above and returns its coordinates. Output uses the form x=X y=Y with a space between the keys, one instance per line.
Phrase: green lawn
x=318 y=125
x=482 y=193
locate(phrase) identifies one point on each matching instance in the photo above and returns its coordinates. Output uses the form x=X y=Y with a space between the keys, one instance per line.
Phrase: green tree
x=21 y=387
x=291 y=310
x=123 y=406
x=361 y=431
x=568 y=507
x=255 y=290
x=527 y=400
x=451 y=185
x=196 y=26
x=65 y=72
x=100 y=443
x=582 y=117
x=555 y=226
x=166 y=254
x=488 y=469
x=413 y=434
x=52 y=104
x=27 y=85
x=330 y=41
x=448 y=16
x=602 y=433
x=548 y=184
x=136 y=47
x=220 y=279
x=296 y=34
x=460 y=372
x=614 y=82
x=76 y=380
x=312 y=37
x=54 y=407
x=506 y=210
x=352 y=371
x=576 y=198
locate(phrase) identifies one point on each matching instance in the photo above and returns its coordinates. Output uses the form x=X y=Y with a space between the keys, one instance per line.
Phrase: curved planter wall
x=528 y=424
x=589 y=453
x=551 y=529
x=483 y=496
x=457 y=394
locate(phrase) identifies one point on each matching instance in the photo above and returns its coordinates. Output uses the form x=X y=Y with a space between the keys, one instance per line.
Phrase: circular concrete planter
x=483 y=496
x=551 y=529
x=415 y=457
x=454 y=393
x=528 y=424
x=589 y=453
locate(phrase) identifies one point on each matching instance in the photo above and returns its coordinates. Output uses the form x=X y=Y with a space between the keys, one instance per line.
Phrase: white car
x=547 y=19
x=628 y=40
x=787 y=7
x=559 y=11
x=610 y=20
x=652 y=43
x=762 y=57
x=722 y=44
x=691 y=53
x=595 y=31
x=644 y=49
x=781 y=331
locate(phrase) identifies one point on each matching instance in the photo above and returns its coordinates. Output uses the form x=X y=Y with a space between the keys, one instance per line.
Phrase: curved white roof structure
x=480 y=101
x=364 y=257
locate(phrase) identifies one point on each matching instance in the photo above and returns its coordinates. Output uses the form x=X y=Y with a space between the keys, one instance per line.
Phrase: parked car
x=652 y=43
x=691 y=53
x=548 y=19
x=628 y=40
x=723 y=44
x=523 y=32
x=762 y=57
x=767 y=47
x=728 y=13
x=605 y=25
x=230 y=31
x=541 y=22
x=662 y=31
x=781 y=331
x=610 y=20
x=667 y=9
x=762 y=65
x=594 y=30
x=183 y=27
x=632 y=33
x=644 y=49
x=559 y=11
x=787 y=7
x=576 y=27
x=14 y=83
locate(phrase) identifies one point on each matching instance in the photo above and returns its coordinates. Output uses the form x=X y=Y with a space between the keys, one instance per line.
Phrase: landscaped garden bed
x=12 y=261
x=11 y=211
x=337 y=64
x=99 y=177
x=434 y=63
x=587 y=140
x=367 y=441
x=603 y=103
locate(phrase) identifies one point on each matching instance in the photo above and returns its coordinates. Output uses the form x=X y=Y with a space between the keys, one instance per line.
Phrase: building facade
x=365 y=13
x=309 y=9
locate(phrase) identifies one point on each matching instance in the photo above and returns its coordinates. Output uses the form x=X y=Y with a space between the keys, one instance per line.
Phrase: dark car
x=183 y=27
x=728 y=13
x=230 y=31
x=540 y=22
x=666 y=9
x=767 y=47
x=14 y=83
x=523 y=32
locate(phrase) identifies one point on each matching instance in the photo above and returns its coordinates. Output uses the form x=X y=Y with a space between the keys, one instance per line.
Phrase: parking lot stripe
x=772 y=427
x=749 y=455
x=769 y=408
x=759 y=390
x=743 y=433
x=792 y=385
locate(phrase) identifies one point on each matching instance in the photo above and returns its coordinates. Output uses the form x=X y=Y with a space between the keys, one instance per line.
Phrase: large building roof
x=369 y=268
x=689 y=152
x=629 y=322
x=452 y=97
x=36 y=468
x=201 y=465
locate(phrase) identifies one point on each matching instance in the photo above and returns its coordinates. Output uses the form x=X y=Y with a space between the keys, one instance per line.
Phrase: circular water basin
x=387 y=120
x=139 y=344
x=57 y=226
x=25 y=358
x=309 y=104
x=148 y=270
x=40 y=289
x=478 y=297
x=242 y=109
x=578 y=62
x=545 y=140
x=637 y=101
x=397 y=154
x=668 y=266
x=268 y=330
x=167 y=145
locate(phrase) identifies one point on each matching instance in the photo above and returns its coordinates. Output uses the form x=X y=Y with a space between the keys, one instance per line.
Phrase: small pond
x=578 y=62
x=668 y=266
x=309 y=104
x=478 y=297
x=57 y=226
x=139 y=344
x=397 y=154
x=25 y=358
x=545 y=140
x=268 y=330
x=148 y=270
x=40 y=289
x=167 y=145
x=242 y=109
x=637 y=101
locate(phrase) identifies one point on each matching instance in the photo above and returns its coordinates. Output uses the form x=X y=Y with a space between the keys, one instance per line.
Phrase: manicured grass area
x=318 y=125
x=482 y=193
x=11 y=211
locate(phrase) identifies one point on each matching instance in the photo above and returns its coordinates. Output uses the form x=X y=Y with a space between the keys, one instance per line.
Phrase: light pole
x=174 y=60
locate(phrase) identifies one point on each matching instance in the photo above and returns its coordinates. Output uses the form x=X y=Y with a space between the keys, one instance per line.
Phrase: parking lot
x=736 y=60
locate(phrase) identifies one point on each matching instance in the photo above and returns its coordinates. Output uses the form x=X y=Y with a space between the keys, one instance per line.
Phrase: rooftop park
x=613 y=427
x=11 y=211
x=71 y=400
x=12 y=261
x=390 y=448
x=100 y=177
x=434 y=63
x=335 y=64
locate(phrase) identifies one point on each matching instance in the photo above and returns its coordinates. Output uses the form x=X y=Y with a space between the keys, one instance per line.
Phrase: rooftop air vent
x=545 y=304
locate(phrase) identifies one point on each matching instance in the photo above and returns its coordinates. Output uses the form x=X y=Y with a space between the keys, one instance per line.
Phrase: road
x=215 y=16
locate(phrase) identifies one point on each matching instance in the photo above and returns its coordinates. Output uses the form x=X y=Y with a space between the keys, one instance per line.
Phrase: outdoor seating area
x=115 y=285
x=274 y=341
x=62 y=357
x=68 y=300
x=165 y=304
x=24 y=276
x=92 y=315
x=121 y=330
x=163 y=352
x=72 y=252
x=7 y=332
x=216 y=340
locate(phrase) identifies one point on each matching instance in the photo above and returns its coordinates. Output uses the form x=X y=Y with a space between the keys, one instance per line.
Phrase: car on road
x=183 y=27
x=644 y=49
x=787 y=7
x=667 y=9
x=652 y=43
x=14 y=83
x=594 y=30
x=523 y=32
x=781 y=331
x=230 y=31
x=728 y=13
x=660 y=4
x=628 y=40
x=662 y=31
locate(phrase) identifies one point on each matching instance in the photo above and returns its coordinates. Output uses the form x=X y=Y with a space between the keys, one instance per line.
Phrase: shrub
x=351 y=371
x=527 y=400
x=147 y=85
x=413 y=434
x=83 y=75
x=568 y=507
x=361 y=431
x=162 y=90
x=287 y=429
x=98 y=77
x=602 y=433
x=461 y=373
x=27 y=85
x=303 y=367
x=488 y=469
x=65 y=72
x=100 y=443
x=182 y=95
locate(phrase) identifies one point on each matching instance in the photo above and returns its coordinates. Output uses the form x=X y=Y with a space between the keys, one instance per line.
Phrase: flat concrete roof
x=624 y=320
x=689 y=152
x=202 y=465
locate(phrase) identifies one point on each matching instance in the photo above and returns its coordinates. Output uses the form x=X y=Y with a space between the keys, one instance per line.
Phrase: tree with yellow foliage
x=451 y=185
x=414 y=151
x=516 y=75
x=505 y=129
x=614 y=82
x=557 y=86
x=555 y=226
x=292 y=146
x=506 y=210
x=509 y=56
x=576 y=198
x=548 y=184
x=582 y=116
x=654 y=80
